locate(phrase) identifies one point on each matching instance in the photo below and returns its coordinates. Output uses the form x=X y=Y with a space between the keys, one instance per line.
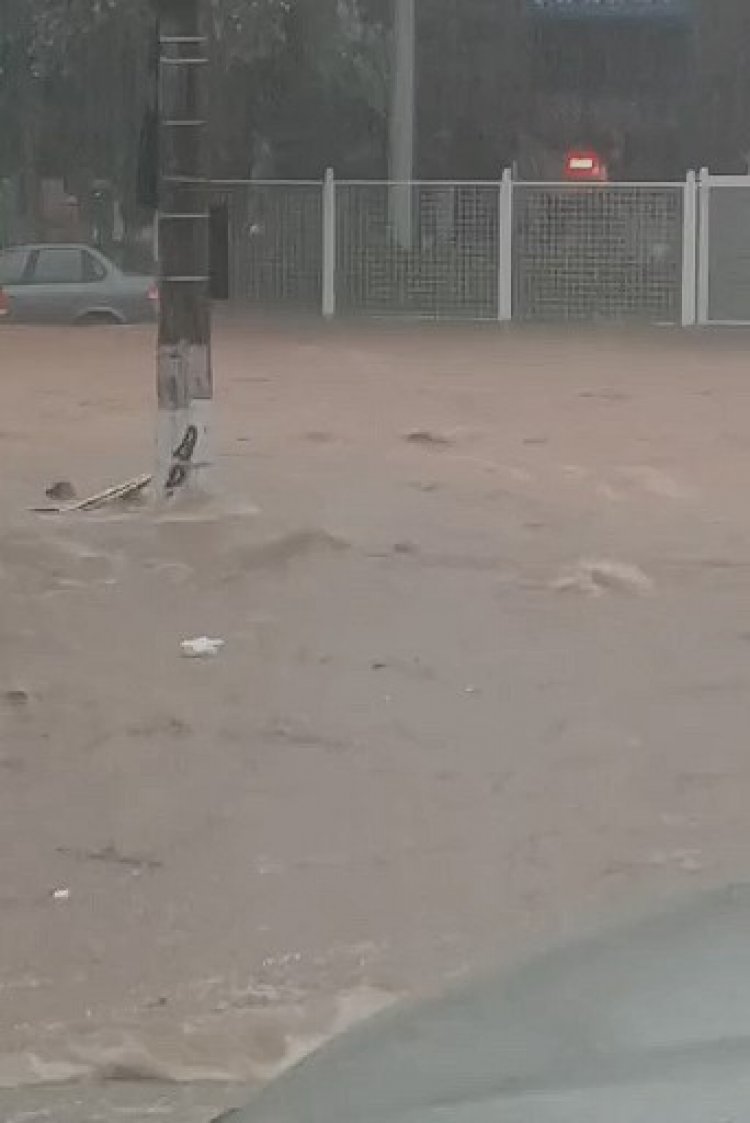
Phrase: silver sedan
x=55 y=283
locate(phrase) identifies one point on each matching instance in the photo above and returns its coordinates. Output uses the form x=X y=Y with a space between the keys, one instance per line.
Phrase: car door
x=56 y=285
x=97 y=292
x=14 y=270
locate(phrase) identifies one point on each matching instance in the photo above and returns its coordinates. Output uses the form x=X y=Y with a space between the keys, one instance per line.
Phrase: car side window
x=13 y=267
x=93 y=270
x=58 y=267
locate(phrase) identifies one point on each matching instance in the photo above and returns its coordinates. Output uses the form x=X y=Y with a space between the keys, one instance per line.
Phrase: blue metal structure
x=611 y=9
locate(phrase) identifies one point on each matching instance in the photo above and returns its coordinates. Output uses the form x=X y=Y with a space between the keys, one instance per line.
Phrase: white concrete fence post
x=690 y=251
x=704 y=245
x=505 y=249
x=329 y=245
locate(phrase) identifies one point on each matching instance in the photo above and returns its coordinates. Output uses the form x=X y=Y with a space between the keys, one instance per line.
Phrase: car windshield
x=374 y=534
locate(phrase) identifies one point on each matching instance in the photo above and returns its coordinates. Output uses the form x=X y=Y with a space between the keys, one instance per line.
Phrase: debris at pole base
x=62 y=491
x=120 y=493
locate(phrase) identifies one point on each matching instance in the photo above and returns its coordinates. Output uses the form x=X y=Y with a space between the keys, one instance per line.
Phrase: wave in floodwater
x=132 y=1059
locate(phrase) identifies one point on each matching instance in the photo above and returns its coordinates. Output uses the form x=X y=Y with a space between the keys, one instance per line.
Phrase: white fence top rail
x=739 y=180
x=418 y=182
x=640 y=184
x=726 y=180
x=265 y=182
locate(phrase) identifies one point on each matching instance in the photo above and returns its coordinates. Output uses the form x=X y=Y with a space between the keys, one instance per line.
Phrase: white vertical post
x=329 y=245
x=690 y=251
x=704 y=245
x=155 y=239
x=505 y=249
x=402 y=123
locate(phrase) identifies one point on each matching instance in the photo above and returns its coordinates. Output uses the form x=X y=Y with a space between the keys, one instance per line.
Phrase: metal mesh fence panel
x=275 y=243
x=447 y=268
x=729 y=253
x=598 y=252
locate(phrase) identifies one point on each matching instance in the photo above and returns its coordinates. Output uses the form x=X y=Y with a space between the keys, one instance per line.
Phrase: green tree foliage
x=301 y=84
x=302 y=80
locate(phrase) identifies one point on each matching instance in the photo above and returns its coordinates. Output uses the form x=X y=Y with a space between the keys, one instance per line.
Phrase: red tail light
x=586 y=166
x=4 y=303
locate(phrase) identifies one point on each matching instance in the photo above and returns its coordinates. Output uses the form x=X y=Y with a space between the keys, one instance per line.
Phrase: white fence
x=671 y=253
x=450 y=269
x=599 y=252
x=724 y=250
x=275 y=241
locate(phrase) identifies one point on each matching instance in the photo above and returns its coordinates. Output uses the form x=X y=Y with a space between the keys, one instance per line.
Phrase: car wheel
x=92 y=319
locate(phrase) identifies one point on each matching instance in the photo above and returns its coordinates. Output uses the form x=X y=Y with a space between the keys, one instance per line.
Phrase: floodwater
x=485 y=674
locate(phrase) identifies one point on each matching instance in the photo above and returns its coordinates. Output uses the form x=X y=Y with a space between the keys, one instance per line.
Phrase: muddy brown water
x=473 y=687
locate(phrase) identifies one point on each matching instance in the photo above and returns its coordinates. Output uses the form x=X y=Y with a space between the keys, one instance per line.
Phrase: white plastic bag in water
x=201 y=648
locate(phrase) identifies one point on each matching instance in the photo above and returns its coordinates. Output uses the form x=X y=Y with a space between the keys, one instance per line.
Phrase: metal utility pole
x=184 y=373
x=402 y=120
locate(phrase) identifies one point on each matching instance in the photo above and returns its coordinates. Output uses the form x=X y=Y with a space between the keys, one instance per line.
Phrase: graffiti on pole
x=182 y=460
